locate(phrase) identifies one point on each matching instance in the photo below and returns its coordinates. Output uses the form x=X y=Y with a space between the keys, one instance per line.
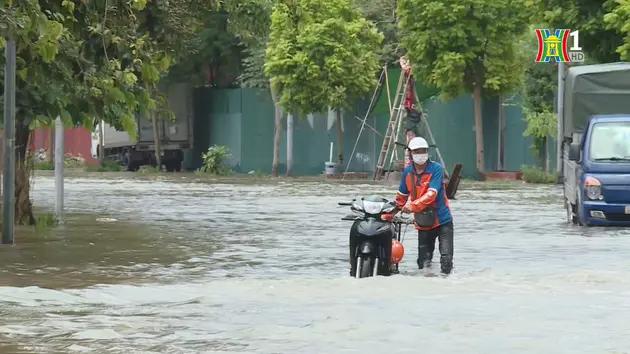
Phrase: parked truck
x=175 y=135
x=596 y=146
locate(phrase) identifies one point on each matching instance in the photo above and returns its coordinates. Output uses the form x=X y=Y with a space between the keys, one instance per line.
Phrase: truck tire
x=174 y=165
x=571 y=217
x=578 y=207
x=129 y=163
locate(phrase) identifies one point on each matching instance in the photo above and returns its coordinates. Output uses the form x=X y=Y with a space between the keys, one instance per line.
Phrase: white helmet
x=418 y=143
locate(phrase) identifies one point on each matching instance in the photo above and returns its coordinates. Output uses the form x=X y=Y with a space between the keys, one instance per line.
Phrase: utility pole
x=59 y=153
x=8 y=178
x=560 y=124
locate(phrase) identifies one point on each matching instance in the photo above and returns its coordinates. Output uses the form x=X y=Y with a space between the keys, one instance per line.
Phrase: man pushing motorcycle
x=423 y=181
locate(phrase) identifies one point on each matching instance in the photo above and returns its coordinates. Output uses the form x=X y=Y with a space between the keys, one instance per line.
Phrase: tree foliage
x=538 y=96
x=383 y=14
x=320 y=54
x=250 y=21
x=213 y=56
x=466 y=46
x=618 y=20
x=455 y=44
x=598 y=38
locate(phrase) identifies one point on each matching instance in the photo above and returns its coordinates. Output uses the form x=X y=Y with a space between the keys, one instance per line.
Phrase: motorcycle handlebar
x=345 y=203
x=400 y=220
x=394 y=220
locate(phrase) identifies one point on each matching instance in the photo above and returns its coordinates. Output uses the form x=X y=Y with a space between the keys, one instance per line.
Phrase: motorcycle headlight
x=372 y=207
x=593 y=188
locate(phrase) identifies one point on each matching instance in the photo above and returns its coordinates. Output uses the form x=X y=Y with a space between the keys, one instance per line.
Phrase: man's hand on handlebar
x=405 y=209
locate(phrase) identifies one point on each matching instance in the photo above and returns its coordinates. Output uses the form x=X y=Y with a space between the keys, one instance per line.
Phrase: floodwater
x=262 y=268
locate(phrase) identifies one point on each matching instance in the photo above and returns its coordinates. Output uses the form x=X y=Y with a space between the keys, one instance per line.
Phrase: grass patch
x=536 y=175
x=45 y=221
x=43 y=166
x=149 y=170
x=106 y=166
x=69 y=161
x=470 y=184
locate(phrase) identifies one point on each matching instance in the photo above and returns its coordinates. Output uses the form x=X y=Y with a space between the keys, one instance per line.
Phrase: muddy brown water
x=262 y=268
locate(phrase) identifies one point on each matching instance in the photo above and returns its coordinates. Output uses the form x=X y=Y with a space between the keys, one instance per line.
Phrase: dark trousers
x=426 y=246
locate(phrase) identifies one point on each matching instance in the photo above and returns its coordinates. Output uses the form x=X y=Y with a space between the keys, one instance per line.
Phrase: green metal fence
x=243 y=120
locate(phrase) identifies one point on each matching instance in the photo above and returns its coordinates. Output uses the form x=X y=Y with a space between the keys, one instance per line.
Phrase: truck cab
x=597 y=172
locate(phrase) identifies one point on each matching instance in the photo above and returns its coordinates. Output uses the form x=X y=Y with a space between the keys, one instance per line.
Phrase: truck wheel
x=571 y=217
x=578 y=207
x=173 y=165
x=131 y=165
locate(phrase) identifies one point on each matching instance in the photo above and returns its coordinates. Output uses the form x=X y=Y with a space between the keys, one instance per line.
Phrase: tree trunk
x=50 y=144
x=289 y=145
x=546 y=154
x=101 y=142
x=23 y=206
x=277 y=128
x=156 y=139
x=478 y=131
x=339 y=141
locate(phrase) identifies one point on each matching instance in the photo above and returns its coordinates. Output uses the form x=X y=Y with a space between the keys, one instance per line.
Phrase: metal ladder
x=393 y=128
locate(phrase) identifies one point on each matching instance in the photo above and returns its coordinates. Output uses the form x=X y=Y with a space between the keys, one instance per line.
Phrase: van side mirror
x=574 y=152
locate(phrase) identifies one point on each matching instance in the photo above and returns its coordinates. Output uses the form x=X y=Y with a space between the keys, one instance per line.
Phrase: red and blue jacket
x=430 y=191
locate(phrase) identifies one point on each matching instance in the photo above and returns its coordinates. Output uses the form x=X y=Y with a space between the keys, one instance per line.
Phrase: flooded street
x=262 y=268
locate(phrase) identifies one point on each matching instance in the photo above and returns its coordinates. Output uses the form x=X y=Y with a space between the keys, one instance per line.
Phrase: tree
x=597 y=38
x=212 y=57
x=537 y=99
x=172 y=28
x=383 y=14
x=465 y=45
x=616 y=21
x=321 y=54
x=84 y=62
x=251 y=20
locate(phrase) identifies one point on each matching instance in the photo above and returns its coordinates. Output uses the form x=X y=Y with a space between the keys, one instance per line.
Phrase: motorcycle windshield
x=372 y=208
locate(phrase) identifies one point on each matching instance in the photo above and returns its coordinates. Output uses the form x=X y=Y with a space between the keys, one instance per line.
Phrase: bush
x=537 y=175
x=214 y=160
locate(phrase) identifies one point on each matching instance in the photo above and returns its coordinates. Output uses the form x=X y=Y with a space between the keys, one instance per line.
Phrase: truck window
x=610 y=140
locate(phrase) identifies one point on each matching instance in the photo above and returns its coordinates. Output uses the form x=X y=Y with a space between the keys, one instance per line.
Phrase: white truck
x=175 y=135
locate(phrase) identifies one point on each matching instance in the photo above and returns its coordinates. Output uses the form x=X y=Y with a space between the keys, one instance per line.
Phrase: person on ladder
x=423 y=181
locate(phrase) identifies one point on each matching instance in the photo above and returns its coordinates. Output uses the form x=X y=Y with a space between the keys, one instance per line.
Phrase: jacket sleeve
x=435 y=185
x=403 y=192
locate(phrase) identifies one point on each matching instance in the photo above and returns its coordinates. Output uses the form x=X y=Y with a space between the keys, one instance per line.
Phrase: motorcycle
x=374 y=231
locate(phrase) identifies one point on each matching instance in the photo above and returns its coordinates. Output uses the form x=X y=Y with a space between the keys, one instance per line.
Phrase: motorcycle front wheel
x=366 y=267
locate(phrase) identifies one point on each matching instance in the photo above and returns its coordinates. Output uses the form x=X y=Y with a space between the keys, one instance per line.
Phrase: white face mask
x=420 y=158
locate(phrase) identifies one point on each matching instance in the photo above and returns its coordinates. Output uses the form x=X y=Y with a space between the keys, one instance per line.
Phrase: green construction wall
x=242 y=119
